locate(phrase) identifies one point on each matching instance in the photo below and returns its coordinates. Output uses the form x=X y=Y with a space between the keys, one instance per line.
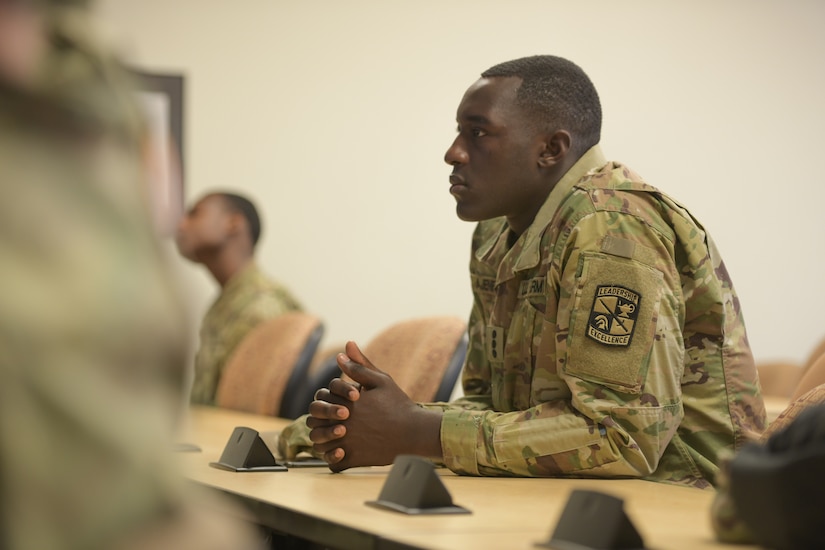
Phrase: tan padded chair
x=785 y=379
x=779 y=379
x=322 y=369
x=424 y=356
x=325 y=355
x=815 y=354
x=809 y=390
x=813 y=396
x=813 y=377
x=270 y=365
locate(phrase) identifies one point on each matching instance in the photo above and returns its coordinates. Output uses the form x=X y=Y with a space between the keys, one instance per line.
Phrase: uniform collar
x=526 y=252
x=241 y=278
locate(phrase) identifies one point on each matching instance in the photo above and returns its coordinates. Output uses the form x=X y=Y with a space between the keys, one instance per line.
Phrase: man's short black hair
x=557 y=94
x=246 y=208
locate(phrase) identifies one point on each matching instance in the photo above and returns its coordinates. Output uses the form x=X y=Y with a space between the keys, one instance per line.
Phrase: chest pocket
x=523 y=316
x=532 y=299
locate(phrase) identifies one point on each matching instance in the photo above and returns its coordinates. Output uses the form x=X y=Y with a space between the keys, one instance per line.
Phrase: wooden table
x=513 y=513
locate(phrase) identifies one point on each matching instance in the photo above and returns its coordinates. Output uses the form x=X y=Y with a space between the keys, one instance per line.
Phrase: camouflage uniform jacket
x=606 y=342
x=247 y=299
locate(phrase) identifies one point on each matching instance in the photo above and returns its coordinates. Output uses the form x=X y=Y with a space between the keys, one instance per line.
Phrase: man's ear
x=555 y=148
x=236 y=223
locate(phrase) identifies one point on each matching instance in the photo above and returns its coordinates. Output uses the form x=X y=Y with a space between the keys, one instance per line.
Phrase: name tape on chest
x=483 y=284
x=531 y=287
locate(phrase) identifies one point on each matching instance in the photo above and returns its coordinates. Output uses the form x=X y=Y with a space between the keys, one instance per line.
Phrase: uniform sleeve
x=617 y=349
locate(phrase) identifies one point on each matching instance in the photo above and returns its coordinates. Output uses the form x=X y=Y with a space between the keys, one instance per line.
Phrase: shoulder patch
x=613 y=315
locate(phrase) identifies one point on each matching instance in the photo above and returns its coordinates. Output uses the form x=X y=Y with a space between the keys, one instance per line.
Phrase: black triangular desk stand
x=246 y=452
x=413 y=487
x=594 y=521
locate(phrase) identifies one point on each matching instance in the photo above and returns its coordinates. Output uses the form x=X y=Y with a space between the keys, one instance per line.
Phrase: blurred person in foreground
x=221 y=231
x=90 y=333
x=606 y=338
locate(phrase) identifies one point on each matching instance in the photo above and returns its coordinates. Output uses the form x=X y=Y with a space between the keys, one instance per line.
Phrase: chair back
x=424 y=356
x=814 y=354
x=322 y=369
x=270 y=365
x=811 y=397
x=813 y=376
x=779 y=378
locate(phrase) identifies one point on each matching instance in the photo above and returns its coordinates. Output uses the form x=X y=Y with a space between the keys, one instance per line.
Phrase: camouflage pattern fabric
x=727 y=525
x=91 y=340
x=247 y=299
x=294 y=439
x=607 y=341
x=92 y=336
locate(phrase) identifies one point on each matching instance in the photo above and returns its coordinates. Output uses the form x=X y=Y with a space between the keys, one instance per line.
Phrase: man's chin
x=186 y=253
x=467 y=215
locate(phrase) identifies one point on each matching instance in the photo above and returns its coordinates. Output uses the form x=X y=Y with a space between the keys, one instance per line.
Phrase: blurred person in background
x=91 y=335
x=221 y=231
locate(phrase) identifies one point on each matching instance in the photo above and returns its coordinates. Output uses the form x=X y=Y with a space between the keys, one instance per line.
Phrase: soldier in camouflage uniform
x=221 y=231
x=91 y=340
x=606 y=338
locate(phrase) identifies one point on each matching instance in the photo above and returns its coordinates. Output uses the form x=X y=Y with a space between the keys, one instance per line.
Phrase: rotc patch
x=613 y=315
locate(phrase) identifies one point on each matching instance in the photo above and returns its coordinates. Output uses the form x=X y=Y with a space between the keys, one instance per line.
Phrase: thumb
x=356 y=365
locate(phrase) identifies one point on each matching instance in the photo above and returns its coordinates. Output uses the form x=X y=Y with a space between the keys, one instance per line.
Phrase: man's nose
x=456 y=153
x=181 y=225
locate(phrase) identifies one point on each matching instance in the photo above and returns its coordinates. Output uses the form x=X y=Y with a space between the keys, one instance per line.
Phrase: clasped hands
x=370 y=421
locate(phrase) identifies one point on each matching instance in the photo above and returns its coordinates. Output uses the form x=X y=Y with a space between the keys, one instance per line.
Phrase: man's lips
x=457 y=183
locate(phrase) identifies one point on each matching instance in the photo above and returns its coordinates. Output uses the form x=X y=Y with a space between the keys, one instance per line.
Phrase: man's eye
x=475 y=132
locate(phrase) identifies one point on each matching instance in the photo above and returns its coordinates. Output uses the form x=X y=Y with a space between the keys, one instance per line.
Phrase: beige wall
x=335 y=114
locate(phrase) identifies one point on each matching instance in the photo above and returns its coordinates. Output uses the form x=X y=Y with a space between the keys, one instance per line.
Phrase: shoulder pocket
x=613 y=321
